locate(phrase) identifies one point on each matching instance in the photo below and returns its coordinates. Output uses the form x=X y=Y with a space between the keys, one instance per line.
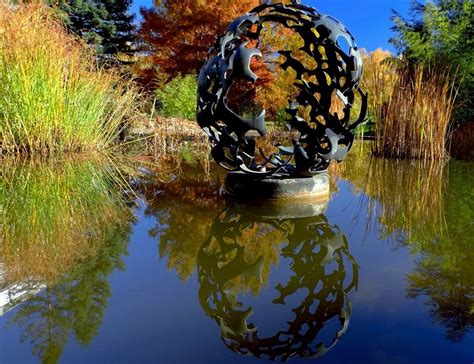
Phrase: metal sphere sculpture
x=321 y=137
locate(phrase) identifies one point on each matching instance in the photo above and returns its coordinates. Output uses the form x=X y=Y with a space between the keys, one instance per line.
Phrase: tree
x=104 y=24
x=75 y=305
x=441 y=34
x=444 y=273
x=178 y=34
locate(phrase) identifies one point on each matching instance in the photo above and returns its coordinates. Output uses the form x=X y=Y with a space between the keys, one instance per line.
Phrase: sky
x=368 y=20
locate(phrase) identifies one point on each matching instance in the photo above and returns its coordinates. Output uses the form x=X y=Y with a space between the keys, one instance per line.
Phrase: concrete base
x=279 y=197
x=240 y=186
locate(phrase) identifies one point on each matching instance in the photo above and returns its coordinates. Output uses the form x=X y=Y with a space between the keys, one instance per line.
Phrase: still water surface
x=384 y=273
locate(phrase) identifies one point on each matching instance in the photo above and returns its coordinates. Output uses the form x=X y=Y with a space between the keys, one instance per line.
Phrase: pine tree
x=123 y=35
x=106 y=25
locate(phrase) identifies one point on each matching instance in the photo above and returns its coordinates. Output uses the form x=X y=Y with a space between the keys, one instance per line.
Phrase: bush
x=178 y=97
x=53 y=96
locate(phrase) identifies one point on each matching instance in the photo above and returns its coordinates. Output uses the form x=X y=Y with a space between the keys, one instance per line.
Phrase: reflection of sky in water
x=152 y=316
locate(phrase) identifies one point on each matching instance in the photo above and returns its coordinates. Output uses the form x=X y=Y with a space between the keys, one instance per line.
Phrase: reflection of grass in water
x=428 y=207
x=410 y=194
x=402 y=194
x=55 y=213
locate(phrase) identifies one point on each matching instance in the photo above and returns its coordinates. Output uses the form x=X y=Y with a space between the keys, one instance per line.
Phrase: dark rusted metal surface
x=326 y=135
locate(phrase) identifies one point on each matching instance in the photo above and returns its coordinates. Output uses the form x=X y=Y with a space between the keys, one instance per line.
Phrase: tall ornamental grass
x=54 y=97
x=413 y=113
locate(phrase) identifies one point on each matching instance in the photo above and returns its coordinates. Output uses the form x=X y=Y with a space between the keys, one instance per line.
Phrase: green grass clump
x=53 y=96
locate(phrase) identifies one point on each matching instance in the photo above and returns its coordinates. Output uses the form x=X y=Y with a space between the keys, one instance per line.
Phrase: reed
x=175 y=140
x=413 y=110
x=54 y=97
x=380 y=75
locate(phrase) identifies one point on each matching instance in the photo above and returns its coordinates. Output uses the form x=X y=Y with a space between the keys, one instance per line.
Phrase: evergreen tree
x=104 y=24
x=123 y=34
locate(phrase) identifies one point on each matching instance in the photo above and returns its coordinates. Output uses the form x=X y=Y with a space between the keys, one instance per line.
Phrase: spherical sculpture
x=333 y=77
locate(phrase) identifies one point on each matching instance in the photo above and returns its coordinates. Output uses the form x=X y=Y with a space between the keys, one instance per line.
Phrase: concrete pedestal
x=279 y=197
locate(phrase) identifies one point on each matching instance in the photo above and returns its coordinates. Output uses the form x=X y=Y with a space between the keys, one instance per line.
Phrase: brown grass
x=413 y=112
x=169 y=135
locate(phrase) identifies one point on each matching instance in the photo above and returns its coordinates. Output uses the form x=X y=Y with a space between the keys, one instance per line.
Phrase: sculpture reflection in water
x=321 y=264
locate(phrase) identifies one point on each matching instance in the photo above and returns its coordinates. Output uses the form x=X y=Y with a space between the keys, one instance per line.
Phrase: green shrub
x=178 y=97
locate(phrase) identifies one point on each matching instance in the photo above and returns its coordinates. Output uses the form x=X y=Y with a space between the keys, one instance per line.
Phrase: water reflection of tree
x=321 y=266
x=444 y=272
x=179 y=229
x=449 y=292
x=183 y=207
x=76 y=304
x=428 y=208
x=184 y=223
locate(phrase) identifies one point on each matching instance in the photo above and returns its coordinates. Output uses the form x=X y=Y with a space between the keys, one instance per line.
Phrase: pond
x=98 y=265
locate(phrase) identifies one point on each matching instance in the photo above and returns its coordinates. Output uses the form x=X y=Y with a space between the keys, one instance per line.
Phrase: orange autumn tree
x=274 y=96
x=177 y=34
